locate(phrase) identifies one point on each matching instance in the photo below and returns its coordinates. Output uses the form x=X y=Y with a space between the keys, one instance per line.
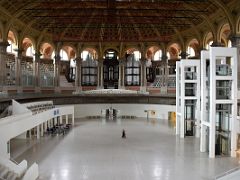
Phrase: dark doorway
x=110 y=67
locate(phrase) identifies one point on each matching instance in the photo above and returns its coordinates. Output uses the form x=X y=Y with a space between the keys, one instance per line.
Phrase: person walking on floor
x=123 y=134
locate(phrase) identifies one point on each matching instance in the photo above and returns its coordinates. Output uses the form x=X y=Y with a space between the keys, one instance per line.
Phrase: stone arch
x=110 y=47
x=27 y=39
x=28 y=42
x=46 y=49
x=92 y=51
x=174 y=50
x=131 y=49
x=238 y=24
x=208 y=37
x=224 y=33
x=194 y=44
x=70 y=50
x=150 y=52
x=13 y=36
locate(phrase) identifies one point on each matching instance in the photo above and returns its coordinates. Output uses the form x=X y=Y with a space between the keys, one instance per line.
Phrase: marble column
x=66 y=119
x=123 y=73
x=143 y=75
x=57 y=73
x=42 y=130
x=3 y=52
x=60 y=119
x=235 y=39
x=37 y=72
x=78 y=75
x=18 y=73
x=38 y=132
x=164 y=70
x=100 y=74
x=120 y=75
x=73 y=120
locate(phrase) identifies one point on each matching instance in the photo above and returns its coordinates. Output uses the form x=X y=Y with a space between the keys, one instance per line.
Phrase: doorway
x=110 y=68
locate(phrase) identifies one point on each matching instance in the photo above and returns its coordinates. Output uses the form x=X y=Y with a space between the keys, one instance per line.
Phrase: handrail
x=13 y=160
x=228 y=172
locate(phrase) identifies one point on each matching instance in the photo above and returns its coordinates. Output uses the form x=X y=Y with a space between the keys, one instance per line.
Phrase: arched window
x=86 y=55
x=63 y=54
x=30 y=51
x=133 y=70
x=158 y=55
x=10 y=48
x=137 y=55
x=191 y=51
x=53 y=55
x=89 y=69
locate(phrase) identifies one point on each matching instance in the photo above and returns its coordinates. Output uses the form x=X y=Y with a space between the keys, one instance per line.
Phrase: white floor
x=94 y=151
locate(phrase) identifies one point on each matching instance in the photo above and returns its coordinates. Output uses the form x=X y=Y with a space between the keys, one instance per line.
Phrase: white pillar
x=73 y=120
x=38 y=132
x=56 y=120
x=198 y=104
x=61 y=119
x=45 y=126
x=178 y=118
x=203 y=138
x=212 y=109
x=182 y=121
x=66 y=118
x=42 y=130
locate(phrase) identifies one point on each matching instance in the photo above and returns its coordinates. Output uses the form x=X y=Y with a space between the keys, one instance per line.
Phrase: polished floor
x=96 y=151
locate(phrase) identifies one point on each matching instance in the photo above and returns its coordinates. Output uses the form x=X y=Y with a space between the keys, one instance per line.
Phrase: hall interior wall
x=161 y=111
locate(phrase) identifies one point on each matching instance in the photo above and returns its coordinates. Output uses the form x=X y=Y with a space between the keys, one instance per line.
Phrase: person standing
x=123 y=134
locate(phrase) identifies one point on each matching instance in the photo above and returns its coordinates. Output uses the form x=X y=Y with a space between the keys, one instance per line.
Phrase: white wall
x=83 y=110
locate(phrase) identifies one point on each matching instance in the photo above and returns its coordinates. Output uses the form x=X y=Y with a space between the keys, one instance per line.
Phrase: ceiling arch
x=115 y=20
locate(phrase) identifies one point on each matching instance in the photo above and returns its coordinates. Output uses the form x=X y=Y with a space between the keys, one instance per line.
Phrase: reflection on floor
x=95 y=151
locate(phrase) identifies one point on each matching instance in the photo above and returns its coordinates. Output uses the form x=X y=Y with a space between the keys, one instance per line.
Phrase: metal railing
x=228 y=172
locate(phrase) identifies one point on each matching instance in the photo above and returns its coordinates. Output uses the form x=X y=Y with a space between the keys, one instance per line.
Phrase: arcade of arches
x=68 y=46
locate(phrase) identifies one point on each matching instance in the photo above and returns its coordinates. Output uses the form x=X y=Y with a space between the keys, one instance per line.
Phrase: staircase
x=157 y=83
x=11 y=170
x=7 y=174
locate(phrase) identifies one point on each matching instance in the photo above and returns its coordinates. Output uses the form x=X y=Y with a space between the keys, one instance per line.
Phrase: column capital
x=78 y=59
x=57 y=58
x=142 y=61
x=3 y=46
x=37 y=55
x=122 y=62
x=183 y=55
x=235 y=39
x=164 y=57
x=217 y=44
x=100 y=61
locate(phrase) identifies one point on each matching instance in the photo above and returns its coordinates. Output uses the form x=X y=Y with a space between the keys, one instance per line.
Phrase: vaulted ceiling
x=112 y=20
